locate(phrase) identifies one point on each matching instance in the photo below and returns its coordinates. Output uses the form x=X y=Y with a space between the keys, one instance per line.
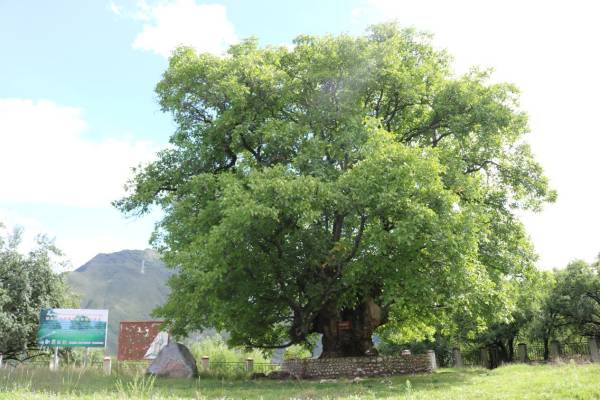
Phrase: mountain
x=129 y=283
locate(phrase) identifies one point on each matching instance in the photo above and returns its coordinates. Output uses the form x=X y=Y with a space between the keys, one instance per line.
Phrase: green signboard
x=69 y=327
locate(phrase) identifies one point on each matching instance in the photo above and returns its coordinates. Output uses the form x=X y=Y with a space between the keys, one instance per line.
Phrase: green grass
x=567 y=381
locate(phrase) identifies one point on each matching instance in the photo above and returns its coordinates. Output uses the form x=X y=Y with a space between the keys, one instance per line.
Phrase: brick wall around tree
x=326 y=368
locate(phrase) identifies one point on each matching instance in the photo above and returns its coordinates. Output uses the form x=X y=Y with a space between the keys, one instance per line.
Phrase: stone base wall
x=359 y=366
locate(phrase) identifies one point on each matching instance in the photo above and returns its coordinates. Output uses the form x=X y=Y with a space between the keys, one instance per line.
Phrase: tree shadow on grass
x=75 y=383
x=439 y=381
x=382 y=387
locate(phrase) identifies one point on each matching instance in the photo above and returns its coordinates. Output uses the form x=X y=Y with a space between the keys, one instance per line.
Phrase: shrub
x=296 y=351
x=225 y=361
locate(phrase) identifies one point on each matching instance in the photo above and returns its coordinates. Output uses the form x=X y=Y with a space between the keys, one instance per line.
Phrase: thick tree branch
x=255 y=153
x=250 y=343
x=357 y=238
x=338 y=224
x=199 y=113
x=480 y=166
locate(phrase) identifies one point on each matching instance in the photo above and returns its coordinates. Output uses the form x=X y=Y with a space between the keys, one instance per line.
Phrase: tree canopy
x=347 y=184
x=27 y=284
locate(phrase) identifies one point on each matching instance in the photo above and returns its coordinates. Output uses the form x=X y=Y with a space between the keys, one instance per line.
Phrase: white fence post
x=593 y=343
x=554 y=350
x=522 y=353
x=458 y=362
x=107 y=365
x=432 y=360
x=484 y=356
x=205 y=363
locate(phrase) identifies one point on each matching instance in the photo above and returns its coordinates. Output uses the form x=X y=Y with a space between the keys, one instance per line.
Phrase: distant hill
x=129 y=283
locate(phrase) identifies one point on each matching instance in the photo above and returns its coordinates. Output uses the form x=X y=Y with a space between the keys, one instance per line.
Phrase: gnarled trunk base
x=348 y=333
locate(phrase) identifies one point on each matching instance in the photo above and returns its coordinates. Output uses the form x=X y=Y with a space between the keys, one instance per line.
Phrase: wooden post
x=106 y=365
x=249 y=364
x=0 y=360
x=522 y=353
x=458 y=362
x=205 y=363
x=432 y=360
x=593 y=344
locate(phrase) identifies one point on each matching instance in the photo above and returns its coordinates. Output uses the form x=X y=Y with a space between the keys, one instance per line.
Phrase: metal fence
x=571 y=350
x=471 y=358
x=491 y=356
x=575 y=349
x=239 y=368
x=130 y=367
x=265 y=368
x=139 y=367
x=45 y=364
x=535 y=352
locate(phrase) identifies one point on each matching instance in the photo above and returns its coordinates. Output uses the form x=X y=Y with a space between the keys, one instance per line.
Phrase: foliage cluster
x=562 y=305
x=226 y=362
x=218 y=351
x=297 y=351
x=27 y=284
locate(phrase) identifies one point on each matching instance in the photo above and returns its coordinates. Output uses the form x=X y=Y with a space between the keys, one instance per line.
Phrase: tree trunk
x=348 y=333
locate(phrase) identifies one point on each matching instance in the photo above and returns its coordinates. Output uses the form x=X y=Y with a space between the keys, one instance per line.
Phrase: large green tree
x=27 y=284
x=346 y=184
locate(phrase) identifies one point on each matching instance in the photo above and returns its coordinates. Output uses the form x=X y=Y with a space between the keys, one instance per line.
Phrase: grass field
x=567 y=381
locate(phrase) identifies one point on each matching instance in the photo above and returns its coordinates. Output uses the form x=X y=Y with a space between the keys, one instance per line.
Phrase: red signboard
x=344 y=325
x=135 y=337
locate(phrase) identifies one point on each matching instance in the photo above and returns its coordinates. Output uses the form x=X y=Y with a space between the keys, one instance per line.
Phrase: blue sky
x=77 y=107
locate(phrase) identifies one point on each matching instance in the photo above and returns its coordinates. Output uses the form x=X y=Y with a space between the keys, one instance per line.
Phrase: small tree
x=529 y=314
x=27 y=284
x=576 y=297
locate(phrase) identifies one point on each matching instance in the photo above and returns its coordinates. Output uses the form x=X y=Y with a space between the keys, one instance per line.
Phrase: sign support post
x=54 y=360
x=86 y=354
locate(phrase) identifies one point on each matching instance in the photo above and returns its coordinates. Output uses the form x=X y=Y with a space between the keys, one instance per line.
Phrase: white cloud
x=546 y=48
x=204 y=27
x=45 y=157
x=115 y=8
